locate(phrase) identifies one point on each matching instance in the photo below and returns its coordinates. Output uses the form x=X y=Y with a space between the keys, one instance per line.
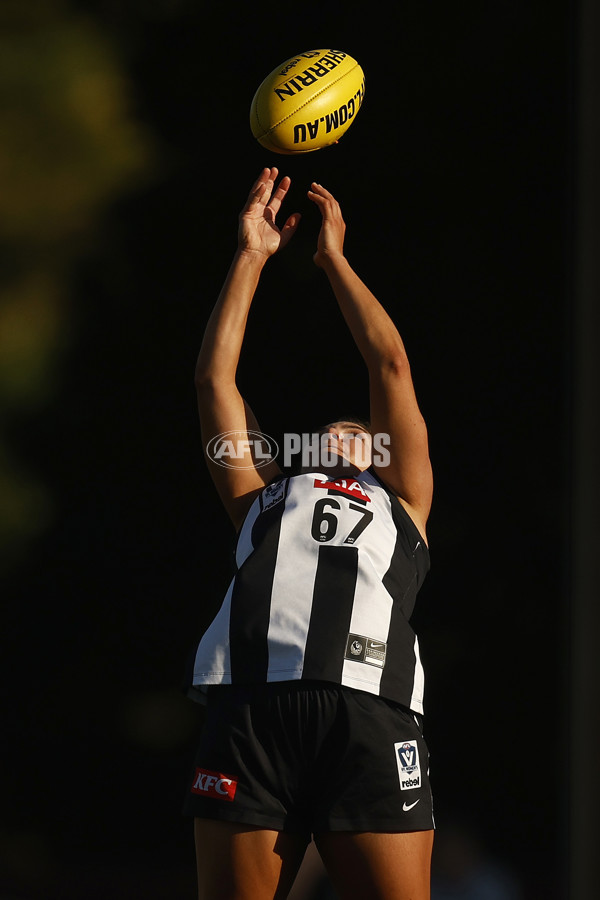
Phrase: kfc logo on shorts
x=214 y=784
x=409 y=769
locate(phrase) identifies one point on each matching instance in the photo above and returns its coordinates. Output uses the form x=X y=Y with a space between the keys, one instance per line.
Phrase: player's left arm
x=394 y=409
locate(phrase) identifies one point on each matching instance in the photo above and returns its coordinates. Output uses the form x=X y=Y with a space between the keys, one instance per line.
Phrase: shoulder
x=404 y=510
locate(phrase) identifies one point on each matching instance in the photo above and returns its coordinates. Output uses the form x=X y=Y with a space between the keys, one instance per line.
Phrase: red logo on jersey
x=348 y=486
x=214 y=784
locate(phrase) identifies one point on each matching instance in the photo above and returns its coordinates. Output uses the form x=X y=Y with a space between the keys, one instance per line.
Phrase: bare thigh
x=242 y=862
x=378 y=866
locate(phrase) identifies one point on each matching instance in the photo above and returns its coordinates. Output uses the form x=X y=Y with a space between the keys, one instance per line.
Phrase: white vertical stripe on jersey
x=292 y=589
x=372 y=619
x=416 y=701
x=354 y=675
x=213 y=659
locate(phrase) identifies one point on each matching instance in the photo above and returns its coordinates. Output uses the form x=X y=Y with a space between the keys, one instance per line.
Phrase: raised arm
x=221 y=407
x=393 y=405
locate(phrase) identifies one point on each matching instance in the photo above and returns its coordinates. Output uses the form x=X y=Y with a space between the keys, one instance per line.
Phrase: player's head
x=350 y=439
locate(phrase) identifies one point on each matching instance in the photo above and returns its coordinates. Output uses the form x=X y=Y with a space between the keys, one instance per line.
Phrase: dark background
x=454 y=182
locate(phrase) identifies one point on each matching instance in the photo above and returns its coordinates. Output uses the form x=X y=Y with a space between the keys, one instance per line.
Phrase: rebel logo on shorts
x=409 y=770
x=214 y=784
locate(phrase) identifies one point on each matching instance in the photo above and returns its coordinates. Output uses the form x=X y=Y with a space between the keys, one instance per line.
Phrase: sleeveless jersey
x=326 y=581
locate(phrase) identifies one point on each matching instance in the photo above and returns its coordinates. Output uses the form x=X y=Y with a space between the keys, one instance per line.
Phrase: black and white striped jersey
x=326 y=581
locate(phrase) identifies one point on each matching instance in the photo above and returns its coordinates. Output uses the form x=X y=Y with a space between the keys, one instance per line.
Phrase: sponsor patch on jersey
x=347 y=486
x=409 y=769
x=366 y=650
x=214 y=784
x=273 y=493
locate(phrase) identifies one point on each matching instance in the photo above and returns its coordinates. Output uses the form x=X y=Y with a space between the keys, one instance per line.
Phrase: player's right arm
x=221 y=406
x=394 y=411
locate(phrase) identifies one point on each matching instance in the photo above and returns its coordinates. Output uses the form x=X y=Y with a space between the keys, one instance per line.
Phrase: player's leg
x=243 y=862
x=378 y=866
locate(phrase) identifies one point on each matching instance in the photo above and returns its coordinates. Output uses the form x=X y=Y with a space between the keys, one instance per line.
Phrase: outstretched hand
x=258 y=230
x=333 y=228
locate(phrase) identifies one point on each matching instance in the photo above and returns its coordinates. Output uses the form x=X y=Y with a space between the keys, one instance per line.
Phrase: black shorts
x=310 y=757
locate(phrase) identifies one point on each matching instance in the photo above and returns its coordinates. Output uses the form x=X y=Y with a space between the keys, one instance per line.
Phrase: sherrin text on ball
x=308 y=102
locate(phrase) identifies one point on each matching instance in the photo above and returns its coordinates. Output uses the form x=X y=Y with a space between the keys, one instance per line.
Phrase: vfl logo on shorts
x=409 y=769
x=214 y=784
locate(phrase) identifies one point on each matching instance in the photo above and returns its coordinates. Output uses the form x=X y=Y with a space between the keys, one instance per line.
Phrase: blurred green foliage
x=70 y=145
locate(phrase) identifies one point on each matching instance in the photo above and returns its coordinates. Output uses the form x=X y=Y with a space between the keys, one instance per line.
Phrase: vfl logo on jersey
x=409 y=769
x=366 y=650
x=214 y=784
x=347 y=486
x=273 y=493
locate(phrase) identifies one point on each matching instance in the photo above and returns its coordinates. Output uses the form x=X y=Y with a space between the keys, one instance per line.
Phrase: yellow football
x=308 y=102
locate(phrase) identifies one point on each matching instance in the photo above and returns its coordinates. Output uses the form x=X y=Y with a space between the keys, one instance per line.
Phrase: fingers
x=289 y=228
x=320 y=191
x=323 y=198
x=261 y=194
x=261 y=189
x=279 y=195
x=330 y=242
x=267 y=174
x=328 y=206
x=265 y=200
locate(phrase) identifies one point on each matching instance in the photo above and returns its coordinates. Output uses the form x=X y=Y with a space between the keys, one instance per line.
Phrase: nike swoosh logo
x=406 y=807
